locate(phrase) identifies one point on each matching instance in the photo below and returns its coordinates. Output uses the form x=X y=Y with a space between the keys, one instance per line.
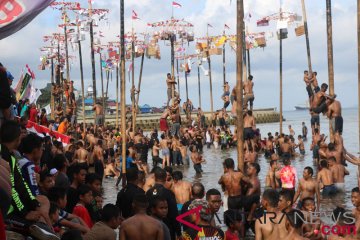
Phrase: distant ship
x=302 y=107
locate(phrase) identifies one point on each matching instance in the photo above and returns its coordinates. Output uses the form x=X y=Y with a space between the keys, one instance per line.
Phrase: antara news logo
x=313 y=218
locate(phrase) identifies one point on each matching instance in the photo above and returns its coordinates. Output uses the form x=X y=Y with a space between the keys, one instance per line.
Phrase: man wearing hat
x=203 y=222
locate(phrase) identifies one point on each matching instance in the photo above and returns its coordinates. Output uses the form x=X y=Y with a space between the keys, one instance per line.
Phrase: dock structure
x=151 y=121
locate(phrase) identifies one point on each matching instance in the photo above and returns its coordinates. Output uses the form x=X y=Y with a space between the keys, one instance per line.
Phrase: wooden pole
x=132 y=94
x=117 y=95
x=239 y=83
x=306 y=35
x=172 y=64
x=82 y=86
x=330 y=56
x=139 y=83
x=107 y=82
x=198 y=68
x=186 y=85
x=210 y=78
x=93 y=61
x=102 y=88
x=178 y=77
x=248 y=62
x=281 y=74
x=224 y=63
x=123 y=86
x=52 y=102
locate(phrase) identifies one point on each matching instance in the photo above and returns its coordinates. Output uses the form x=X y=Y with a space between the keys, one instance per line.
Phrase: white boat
x=302 y=107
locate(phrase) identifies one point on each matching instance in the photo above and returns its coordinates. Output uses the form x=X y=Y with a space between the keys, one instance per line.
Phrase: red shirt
x=33 y=114
x=231 y=236
x=82 y=212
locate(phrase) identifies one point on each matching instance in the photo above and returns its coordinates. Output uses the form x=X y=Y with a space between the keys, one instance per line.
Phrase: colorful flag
x=176 y=5
x=134 y=15
x=16 y=14
x=23 y=87
x=263 y=22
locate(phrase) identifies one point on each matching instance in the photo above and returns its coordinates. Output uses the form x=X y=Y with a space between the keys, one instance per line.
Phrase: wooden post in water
x=186 y=85
x=139 y=83
x=330 y=56
x=117 y=95
x=82 y=85
x=107 y=82
x=102 y=88
x=123 y=86
x=239 y=83
x=281 y=74
x=178 y=77
x=52 y=102
x=210 y=78
x=198 y=68
x=306 y=35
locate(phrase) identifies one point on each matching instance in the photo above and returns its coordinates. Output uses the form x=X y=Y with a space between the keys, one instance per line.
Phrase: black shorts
x=235 y=202
x=111 y=152
x=248 y=133
x=315 y=120
x=226 y=104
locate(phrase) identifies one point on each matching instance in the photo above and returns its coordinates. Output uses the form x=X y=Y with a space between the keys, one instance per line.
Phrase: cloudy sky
x=23 y=48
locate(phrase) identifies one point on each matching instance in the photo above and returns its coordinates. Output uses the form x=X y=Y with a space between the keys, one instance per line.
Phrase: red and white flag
x=227 y=27
x=176 y=5
x=134 y=15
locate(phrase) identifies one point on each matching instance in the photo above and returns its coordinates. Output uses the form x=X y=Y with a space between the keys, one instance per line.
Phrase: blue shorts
x=165 y=152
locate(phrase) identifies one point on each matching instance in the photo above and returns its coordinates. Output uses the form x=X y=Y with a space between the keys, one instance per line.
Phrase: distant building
x=146 y=109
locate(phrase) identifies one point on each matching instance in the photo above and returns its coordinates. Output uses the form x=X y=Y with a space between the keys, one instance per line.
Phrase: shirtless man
x=226 y=95
x=165 y=151
x=339 y=172
x=269 y=148
x=98 y=158
x=250 y=155
x=170 y=83
x=163 y=122
x=181 y=189
x=110 y=170
x=301 y=145
x=291 y=131
x=314 y=82
x=99 y=114
x=140 y=225
x=293 y=225
x=286 y=148
x=271 y=182
x=249 y=127
x=266 y=227
x=221 y=116
x=252 y=198
x=331 y=151
x=248 y=92
x=155 y=153
x=334 y=115
x=355 y=200
x=231 y=183
x=307 y=81
x=318 y=102
x=81 y=154
x=325 y=177
x=307 y=187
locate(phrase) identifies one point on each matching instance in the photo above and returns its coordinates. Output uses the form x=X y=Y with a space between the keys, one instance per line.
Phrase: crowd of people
x=52 y=191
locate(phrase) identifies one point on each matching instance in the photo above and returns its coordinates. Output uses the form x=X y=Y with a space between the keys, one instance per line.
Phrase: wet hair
x=198 y=190
x=84 y=189
x=30 y=142
x=287 y=195
x=299 y=136
x=9 y=131
x=331 y=146
x=249 y=113
x=256 y=166
x=309 y=170
x=56 y=193
x=316 y=130
x=355 y=189
x=168 y=169
x=250 y=77
x=287 y=161
x=132 y=174
x=44 y=174
x=324 y=86
x=324 y=164
x=272 y=196
x=160 y=174
x=293 y=218
x=177 y=175
x=272 y=162
x=109 y=212
x=231 y=216
x=306 y=71
x=229 y=163
x=60 y=161
x=53 y=208
x=154 y=169
x=92 y=177
x=72 y=234
x=141 y=201
x=212 y=192
x=155 y=200
x=307 y=199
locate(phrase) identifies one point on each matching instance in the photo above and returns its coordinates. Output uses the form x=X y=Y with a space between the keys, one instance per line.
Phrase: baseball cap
x=53 y=171
x=205 y=213
x=9 y=75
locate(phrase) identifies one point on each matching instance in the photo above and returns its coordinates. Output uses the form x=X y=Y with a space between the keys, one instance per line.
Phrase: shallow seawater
x=214 y=157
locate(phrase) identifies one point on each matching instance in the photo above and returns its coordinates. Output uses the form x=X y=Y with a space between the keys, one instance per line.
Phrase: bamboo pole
x=117 y=95
x=224 y=63
x=358 y=41
x=102 y=88
x=172 y=65
x=139 y=83
x=107 y=82
x=239 y=83
x=82 y=86
x=178 y=77
x=210 y=77
x=281 y=74
x=123 y=86
x=186 y=85
x=132 y=94
x=52 y=102
x=92 y=55
x=66 y=49
x=306 y=35
x=198 y=68
x=248 y=62
x=330 y=56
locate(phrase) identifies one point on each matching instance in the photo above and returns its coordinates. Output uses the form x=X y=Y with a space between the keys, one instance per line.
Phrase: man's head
x=177 y=176
x=324 y=164
x=270 y=199
x=250 y=77
x=197 y=190
x=85 y=194
x=294 y=220
x=10 y=134
x=308 y=173
x=60 y=162
x=58 y=195
x=46 y=181
x=308 y=204
x=79 y=174
x=232 y=219
x=205 y=211
x=229 y=164
x=168 y=75
x=331 y=146
x=160 y=175
x=287 y=161
x=285 y=200
x=94 y=181
x=32 y=147
x=132 y=175
x=253 y=169
x=355 y=197
x=306 y=72
x=110 y=215
x=213 y=196
x=331 y=161
x=140 y=203
x=159 y=207
x=324 y=87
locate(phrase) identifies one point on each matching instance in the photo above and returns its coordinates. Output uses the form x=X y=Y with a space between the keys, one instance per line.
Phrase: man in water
x=181 y=189
x=170 y=83
x=325 y=176
x=291 y=131
x=231 y=183
x=334 y=115
x=307 y=187
x=248 y=92
x=355 y=200
x=252 y=197
x=249 y=127
x=339 y=172
x=288 y=177
x=226 y=95
x=271 y=182
x=81 y=154
x=134 y=227
x=304 y=131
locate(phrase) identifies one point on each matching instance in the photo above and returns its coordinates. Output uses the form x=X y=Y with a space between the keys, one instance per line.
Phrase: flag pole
x=132 y=94
x=92 y=52
x=178 y=77
x=81 y=78
x=102 y=87
x=139 y=83
x=52 y=96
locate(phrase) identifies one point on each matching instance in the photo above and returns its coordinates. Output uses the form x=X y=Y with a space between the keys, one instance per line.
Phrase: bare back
x=140 y=225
